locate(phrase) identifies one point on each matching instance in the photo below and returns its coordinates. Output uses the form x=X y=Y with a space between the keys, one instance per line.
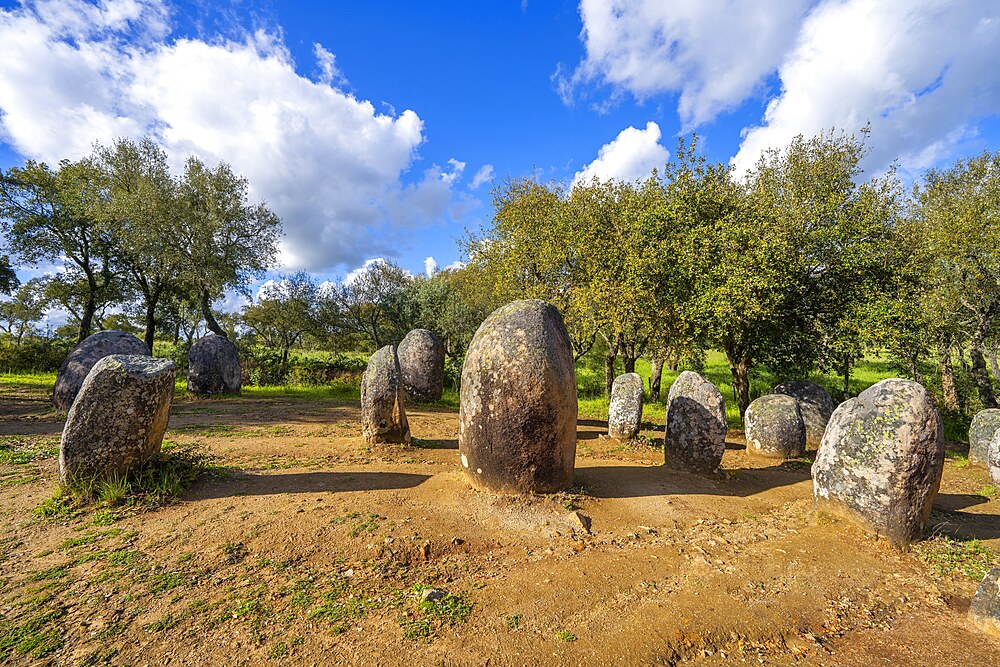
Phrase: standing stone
x=881 y=460
x=981 y=431
x=78 y=363
x=517 y=419
x=117 y=421
x=421 y=362
x=214 y=366
x=625 y=410
x=814 y=403
x=383 y=409
x=695 y=433
x=985 y=609
x=774 y=427
x=993 y=458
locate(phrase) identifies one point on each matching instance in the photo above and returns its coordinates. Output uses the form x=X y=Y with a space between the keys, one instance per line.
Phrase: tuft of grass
x=988 y=490
x=433 y=614
x=566 y=636
x=953 y=556
x=514 y=622
x=36 y=637
x=166 y=623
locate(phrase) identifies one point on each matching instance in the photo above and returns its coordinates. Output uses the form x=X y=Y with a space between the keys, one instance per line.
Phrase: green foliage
x=953 y=556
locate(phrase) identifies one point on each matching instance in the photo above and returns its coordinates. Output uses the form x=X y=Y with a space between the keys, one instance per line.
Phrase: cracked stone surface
x=517 y=419
x=881 y=460
x=81 y=359
x=117 y=421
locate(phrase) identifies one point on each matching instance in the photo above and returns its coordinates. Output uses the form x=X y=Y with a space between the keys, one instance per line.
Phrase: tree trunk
x=206 y=311
x=980 y=375
x=87 y=319
x=739 y=366
x=845 y=372
x=948 y=387
x=629 y=363
x=177 y=333
x=609 y=366
x=655 y=376
x=991 y=356
x=150 y=324
x=915 y=368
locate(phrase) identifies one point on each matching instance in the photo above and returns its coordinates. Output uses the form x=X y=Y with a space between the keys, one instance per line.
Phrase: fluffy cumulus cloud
x=430 y=266
x=714 y=52
x=329 y=164
x=631 y=156
x=921 y=72
x=484 y=175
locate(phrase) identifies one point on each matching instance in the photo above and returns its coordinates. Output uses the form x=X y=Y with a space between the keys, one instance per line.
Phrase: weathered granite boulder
x=993 y=458
x=981 y=431
x=421 y=361
x=815 y=405
x=383 y=402
x=625 y=410
x=117 y=421
x=695 y=433
x=985 y=608
x=78 y=363
x=214 y=366
x=517 y=419
x=881 y=460
x=774 y=427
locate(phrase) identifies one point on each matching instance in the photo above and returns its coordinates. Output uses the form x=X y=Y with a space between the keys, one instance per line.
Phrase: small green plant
x=36 y=637
x=988 y=490
x=951 y=556
x=566 y=636
x=114 y=490
x=60 y=505
x=234 y=551
x=166 y=623
x=514 y=622
x=958 y=459
x=278 y=651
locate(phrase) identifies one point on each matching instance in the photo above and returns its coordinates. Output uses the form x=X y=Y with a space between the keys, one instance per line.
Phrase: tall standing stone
x=421 y=362
x=383 y=403
x=117 y=421
x=981 y=431
x=774 y=428
x=993 y=458
x=625 y=409
x=985 y=608
x=695 y=432
x=214 y=366
x=815 y=405
x=517 y=419
x=881 y=460
x=81 y=359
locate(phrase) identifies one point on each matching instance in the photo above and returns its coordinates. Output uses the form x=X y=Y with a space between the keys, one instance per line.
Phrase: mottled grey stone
x=383 y=403
x=815 y=405
x=625 y=410
x=517 y=419
x=82 y=358
x=214 y=366
x=117 y=421
x=984 y=611
x=774 y=427
x=695 y=432
x=981 y=431
x=881 y=460
x=993 y=458
x=421 y=361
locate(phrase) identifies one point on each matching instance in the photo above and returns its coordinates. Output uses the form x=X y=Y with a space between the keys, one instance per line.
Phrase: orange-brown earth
x=303 y=546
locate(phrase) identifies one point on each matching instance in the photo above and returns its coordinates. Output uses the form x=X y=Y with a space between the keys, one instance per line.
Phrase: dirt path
x=303 y=546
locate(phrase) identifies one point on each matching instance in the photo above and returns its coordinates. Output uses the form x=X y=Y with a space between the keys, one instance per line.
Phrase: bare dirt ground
x=303 y=546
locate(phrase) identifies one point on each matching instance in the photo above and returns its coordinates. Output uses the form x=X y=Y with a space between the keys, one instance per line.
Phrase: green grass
x=954 y=556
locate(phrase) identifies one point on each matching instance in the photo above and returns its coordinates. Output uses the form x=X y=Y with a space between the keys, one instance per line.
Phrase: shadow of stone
x=303 y=482
x=643 y=481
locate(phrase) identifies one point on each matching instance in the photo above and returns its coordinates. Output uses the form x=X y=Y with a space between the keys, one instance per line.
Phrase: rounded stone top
x=774 y=404
x=82 y=358
x=134 y=365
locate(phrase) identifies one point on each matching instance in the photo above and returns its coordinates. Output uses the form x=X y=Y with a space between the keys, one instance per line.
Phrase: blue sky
x=375 y=129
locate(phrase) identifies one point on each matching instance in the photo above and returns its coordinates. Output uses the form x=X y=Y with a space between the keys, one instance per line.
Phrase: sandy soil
x=303 y=546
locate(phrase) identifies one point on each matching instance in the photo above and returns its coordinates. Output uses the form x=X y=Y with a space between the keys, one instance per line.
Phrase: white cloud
x=631 y=156
x=330 y=74
x=454 y=266
x=328 y=163
x=714 y=52
x=430 y=266
x=921 y=72
x=484 y=175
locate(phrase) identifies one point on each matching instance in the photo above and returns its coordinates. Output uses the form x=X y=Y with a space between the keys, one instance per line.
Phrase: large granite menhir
x=774 y=427
x=985 y=608
x=984 y=426
x=815 y=405
x=214 y=366
x=695 y=432
x=517 y=418
x=82 y=358
x=881 y=460
x=117 y=421
x=625 y=409
x=421 y=361
x=383 y=402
